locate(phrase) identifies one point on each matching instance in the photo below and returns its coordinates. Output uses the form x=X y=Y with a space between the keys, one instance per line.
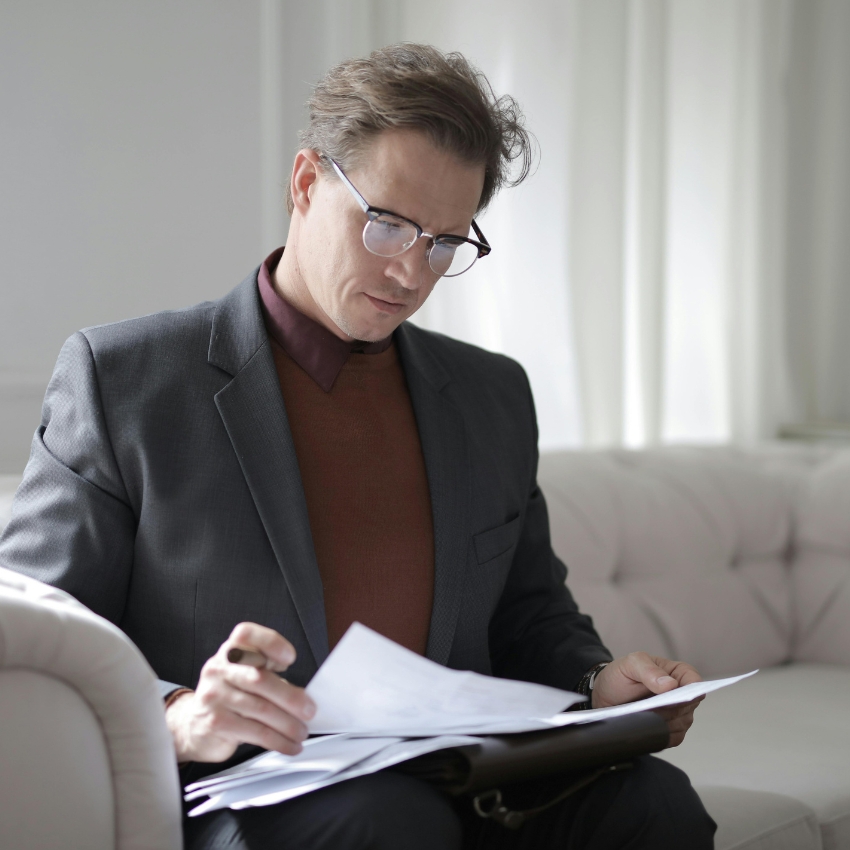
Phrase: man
x=268 y=468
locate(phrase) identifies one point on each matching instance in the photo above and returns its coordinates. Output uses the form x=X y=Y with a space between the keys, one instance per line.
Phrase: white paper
x=371 y=685
x=677 y=696
x=268 y=760
x=685 y=693
x=327 y=756
x=268 y=789
x=296 y=783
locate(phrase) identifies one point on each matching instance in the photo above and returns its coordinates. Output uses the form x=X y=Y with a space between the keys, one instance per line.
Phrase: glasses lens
x=387 y=235
x=451 y=257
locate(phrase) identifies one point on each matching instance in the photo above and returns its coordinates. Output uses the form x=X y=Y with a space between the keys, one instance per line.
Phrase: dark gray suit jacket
x=163 y=492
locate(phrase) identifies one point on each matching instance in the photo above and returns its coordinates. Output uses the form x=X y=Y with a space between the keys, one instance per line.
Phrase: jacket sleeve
x=72 y=525
x=537 y=632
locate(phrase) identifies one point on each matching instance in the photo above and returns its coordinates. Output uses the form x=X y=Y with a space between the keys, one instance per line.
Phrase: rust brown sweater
x=365 y=483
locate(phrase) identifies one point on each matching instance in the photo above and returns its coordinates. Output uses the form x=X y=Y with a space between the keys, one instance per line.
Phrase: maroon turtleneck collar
x=320 y=353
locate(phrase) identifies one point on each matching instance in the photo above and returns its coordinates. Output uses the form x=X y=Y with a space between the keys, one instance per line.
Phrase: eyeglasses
x=388 y=235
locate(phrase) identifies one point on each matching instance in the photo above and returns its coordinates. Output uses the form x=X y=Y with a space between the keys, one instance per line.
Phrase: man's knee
x=673 y=810
x=649 y=805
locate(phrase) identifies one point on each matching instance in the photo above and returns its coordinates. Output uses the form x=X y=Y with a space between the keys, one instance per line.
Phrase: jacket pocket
x=496 y=541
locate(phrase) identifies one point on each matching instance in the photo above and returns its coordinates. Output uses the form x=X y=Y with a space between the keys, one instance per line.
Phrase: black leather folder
x=505 y=759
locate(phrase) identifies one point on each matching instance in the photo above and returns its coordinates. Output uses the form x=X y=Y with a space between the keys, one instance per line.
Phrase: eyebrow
x=455 y=232
x=366 y=205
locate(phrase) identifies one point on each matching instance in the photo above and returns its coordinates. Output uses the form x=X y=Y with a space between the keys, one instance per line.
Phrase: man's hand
x=639 y=675
x=235 y=704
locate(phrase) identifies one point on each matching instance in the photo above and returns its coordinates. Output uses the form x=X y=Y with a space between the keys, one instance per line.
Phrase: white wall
x=130 y=165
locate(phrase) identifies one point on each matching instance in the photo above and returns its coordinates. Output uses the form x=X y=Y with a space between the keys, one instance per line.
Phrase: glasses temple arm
x=482 y=238
x=349 y=185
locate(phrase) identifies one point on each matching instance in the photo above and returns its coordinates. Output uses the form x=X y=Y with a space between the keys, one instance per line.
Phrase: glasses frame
x=483 y=245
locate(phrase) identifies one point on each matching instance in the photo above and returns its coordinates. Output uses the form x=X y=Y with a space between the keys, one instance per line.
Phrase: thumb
x=656 y=678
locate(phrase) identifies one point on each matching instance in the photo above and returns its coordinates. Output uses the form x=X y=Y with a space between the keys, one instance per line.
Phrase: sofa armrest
x=43 y=629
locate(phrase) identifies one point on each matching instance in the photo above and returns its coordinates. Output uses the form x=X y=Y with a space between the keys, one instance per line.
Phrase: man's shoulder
x=490 y=390
x=166 y=327
x=166 y=334
x=464 y=361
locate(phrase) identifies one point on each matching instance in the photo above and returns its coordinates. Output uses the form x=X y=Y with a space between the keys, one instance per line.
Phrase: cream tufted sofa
x=727 y=558
x=86 y=762
x=730 y=559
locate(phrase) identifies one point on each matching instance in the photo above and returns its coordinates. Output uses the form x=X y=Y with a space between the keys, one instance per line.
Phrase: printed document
x=379 y=704
x=273 y=778
x=371 y=685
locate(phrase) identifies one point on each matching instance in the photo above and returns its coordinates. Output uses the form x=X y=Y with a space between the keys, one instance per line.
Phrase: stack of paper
x=379 y=704
x=272 y=777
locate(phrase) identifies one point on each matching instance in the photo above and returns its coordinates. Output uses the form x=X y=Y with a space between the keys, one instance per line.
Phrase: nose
x=410 y=268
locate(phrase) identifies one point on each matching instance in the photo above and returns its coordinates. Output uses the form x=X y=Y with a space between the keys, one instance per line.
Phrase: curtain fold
x=817 y=284
x=644 y=235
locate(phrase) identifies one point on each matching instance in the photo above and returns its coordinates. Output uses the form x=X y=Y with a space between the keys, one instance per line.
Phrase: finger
x=671 y=711
x=269 y=686
x=256 y=708
x=243 y=730
x=652 y=676
x=279 y=651
x=681 y=724
x=683 y=673
x=677 y=727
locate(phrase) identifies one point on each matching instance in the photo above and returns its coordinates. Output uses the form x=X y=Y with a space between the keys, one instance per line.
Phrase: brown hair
x=415 y=86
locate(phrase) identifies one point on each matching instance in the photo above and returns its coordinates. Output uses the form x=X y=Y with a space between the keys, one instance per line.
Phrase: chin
x=375 y=334
x=362 y=330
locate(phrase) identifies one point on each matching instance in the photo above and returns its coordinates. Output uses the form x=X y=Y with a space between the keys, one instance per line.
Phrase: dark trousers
x=651 y=805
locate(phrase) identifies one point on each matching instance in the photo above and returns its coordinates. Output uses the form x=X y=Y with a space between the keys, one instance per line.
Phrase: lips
x=389 y=307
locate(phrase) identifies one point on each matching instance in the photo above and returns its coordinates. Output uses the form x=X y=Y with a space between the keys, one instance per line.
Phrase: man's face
x=355 y=292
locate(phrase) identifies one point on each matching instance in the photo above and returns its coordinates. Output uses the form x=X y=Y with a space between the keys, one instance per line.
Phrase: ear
x=305 y=172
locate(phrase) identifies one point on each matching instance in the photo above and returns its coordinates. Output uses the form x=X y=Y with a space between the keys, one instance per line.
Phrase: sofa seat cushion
x=784 y=731
x=758 y=820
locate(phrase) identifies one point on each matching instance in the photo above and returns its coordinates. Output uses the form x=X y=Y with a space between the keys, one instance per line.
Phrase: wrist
x=175 y=695
x=586 y=684
x=174 y=704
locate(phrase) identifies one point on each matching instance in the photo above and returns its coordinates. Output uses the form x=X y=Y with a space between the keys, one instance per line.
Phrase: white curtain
x=817 y=274
x=677 y=267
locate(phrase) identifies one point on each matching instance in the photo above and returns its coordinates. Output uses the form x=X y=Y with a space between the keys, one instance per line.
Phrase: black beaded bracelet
x=586 y=683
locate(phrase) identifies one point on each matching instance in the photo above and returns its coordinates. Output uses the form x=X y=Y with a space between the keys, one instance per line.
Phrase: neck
x=290 y=285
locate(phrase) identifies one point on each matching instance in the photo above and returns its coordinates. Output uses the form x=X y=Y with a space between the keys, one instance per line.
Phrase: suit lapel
x=252 y=409
x=442 y=433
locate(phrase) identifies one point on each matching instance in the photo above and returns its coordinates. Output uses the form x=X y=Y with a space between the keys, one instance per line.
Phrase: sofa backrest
x=820 y=575
x=728 y=558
